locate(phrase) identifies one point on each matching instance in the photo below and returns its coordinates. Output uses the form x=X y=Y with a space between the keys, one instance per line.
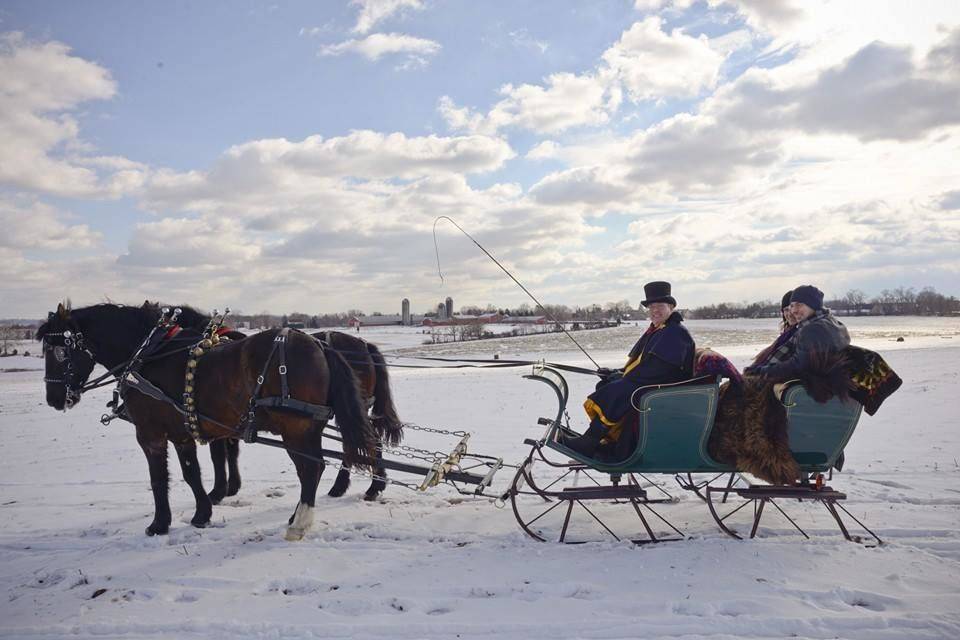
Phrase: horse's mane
x=138 y=319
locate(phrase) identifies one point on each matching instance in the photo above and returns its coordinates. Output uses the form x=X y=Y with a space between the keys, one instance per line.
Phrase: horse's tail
x=359 y=437
x=385 y=418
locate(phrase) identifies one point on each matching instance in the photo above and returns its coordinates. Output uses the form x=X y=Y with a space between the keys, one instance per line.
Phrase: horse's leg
x=341 y=484
x=155 y=449
x=218 y=456
x=187 y=452
x=309 y=471
x=379 y=477
x=233 y=454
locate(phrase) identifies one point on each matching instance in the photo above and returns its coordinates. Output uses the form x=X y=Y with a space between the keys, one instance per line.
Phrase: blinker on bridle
x=64 y=353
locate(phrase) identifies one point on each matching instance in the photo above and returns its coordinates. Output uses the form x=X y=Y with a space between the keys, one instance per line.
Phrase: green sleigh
x=555 y=483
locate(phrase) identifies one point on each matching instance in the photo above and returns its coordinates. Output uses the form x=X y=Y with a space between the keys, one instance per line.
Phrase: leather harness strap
x=318 y=412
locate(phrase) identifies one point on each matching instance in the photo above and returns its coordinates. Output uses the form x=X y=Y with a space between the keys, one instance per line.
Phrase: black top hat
x=657 y=292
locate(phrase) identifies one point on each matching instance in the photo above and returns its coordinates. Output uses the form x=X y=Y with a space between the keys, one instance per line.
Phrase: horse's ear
x=61 y=311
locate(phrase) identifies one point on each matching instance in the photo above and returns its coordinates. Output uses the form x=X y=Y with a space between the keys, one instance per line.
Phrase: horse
x=224 y=384
x=370 y=370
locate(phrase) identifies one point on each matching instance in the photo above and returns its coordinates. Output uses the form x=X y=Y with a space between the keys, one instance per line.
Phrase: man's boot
x=587 y=444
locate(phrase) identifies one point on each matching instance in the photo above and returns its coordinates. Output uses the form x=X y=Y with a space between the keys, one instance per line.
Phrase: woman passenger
x=816 y=332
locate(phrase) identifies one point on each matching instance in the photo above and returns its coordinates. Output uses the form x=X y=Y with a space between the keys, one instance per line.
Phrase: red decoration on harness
x=174 y=330
x=223 y=330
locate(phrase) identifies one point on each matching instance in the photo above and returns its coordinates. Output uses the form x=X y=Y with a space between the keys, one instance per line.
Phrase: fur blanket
x=751 y=431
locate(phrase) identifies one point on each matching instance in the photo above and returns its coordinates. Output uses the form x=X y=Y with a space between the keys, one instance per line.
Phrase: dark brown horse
x=370 y=369
x=226 y=378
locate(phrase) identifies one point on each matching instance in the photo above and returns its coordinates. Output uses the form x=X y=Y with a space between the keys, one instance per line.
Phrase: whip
x=504 y=269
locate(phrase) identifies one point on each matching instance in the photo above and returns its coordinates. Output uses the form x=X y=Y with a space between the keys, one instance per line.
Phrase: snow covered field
x=74 y=500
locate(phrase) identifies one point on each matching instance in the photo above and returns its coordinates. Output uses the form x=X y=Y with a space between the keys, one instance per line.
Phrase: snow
x=74 y=500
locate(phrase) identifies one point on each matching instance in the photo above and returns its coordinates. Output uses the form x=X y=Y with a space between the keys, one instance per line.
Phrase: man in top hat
x=663 y=354
x=817 y=333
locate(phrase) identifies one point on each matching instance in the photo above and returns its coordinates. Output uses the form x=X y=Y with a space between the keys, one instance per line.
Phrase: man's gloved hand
x=604 y=372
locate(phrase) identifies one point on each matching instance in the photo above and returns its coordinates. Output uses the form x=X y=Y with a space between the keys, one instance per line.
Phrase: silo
x=405 y=312
x=449 y=306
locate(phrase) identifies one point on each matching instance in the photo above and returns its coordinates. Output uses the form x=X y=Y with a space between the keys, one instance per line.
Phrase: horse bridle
x=72 y=342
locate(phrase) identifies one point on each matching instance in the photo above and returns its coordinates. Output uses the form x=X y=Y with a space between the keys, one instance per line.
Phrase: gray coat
x=818 y=335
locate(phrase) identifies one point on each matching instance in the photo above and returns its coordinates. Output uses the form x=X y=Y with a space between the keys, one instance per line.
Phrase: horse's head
x=68 y=361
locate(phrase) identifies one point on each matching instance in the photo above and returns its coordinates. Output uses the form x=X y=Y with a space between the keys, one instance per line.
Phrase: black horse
x=370 y=370
x=224 y=383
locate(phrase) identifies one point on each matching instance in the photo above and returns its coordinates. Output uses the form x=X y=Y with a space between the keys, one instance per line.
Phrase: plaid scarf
x=780 y=350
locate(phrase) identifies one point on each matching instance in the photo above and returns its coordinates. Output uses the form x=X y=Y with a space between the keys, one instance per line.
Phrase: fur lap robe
x=750 y=431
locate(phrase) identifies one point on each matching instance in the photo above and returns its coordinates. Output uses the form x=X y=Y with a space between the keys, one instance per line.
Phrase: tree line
x=902 y=301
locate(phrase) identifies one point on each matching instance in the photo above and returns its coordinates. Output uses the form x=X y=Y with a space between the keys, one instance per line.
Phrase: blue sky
x=293 y=157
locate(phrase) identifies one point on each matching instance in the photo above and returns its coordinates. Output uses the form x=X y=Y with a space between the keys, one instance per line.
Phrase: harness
x=320 y=413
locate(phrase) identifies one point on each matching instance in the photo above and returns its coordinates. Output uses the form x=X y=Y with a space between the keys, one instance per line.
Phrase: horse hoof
x=371 y=497
x=294 y=534
x=216 y=496
x=200 y=524
x=157 y=530
x=233 y=489
x=336 y=492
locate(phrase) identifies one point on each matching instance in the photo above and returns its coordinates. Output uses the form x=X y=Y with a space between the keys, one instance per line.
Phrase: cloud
x=30 y=224
x=949 y=201
x=377 y=45
x=653 y=64
x=180 y=244
x=646 y=62
x=374 y=11
x=567 y=100
x=751 y=127
x=264 y=176
x=583 y=185
x=42 y=84
x=768 y=15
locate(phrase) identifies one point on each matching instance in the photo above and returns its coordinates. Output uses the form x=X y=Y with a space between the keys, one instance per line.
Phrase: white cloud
x=567 y=100
x=374 y=11
x=653 y=64
x=377 y=45
x=646 y=62
x=30 y=224
x=42 y=84
x=583 y=185
x=258 y=179
x=545 y=150
x=181 y=244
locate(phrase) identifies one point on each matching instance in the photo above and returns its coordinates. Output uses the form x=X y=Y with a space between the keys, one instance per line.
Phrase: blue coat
x=662 y=355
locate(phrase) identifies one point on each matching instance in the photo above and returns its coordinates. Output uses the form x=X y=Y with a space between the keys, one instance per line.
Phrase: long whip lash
x=504 y=269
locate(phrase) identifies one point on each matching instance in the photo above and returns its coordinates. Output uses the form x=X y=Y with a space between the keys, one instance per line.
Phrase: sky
x=295 y=156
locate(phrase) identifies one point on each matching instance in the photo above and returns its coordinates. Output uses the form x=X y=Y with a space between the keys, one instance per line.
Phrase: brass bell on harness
x=189 y=376
x=215 y=339
x=206 y=344
x=198 y=351
x=192 y=364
